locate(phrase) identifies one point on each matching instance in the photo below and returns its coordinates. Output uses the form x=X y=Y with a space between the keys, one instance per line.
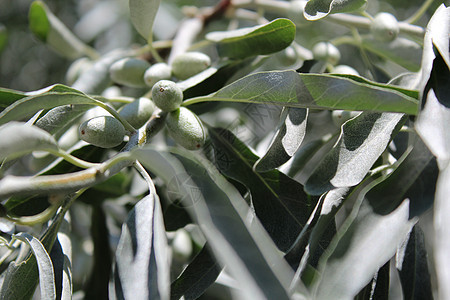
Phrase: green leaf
x=142 y=13
x=279 y=201
x=318 y=9
x=360 y=250
x=317 y=91
x=287 y=139
x=8 y=97
x=142 y=267
x=21 y=278
x=19 y=139
x=200 y=274
x=47 y=98
x=222 y=215
x=46 y=275
x=413 y=268
x=47 y=27
x=61 y=255
x=401 y=51
x=258 y=40
x=363 y=139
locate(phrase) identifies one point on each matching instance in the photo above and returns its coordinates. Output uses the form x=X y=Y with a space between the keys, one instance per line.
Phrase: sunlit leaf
x=287 y=139
x=318 y=9
x=142 y=13
x=142 y=267
x=47 y=27
x=221 y=212
x=20 y=138
x=321 y=91
x=45 y=266
x=363 y=248
x=363 y=139
x=50 y=97
x=279 y=201
x=258 y=40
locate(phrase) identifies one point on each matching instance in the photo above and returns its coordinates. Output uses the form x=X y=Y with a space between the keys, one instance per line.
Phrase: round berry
x=327 y=52
x=344 y=69
x=384 y=27
x=186 y=129
x=189 y=64
x=129 y=72
x=167 y=95
x=102 y=131
x=157 y=72
x=138 y=112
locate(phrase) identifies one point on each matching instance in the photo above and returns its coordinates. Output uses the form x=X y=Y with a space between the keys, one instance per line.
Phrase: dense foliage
x=260 y=149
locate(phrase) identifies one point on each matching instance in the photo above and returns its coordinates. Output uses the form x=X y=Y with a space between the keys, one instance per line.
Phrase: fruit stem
x=74 y=160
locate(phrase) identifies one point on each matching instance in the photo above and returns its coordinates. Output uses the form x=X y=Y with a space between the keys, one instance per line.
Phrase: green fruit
x=186 y=128
x=157 y=72
x=384 y=27
x=103 y=131
x=167 y=95
x=327 y=52
x=138 y=112
x=129 y=71
x=344 y=69
x=188 y=64
x=77 y=68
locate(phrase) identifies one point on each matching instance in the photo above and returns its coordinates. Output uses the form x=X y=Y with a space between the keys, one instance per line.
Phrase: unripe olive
x=157 y=72
x=327 y=52
x=138 y=112
x=339 y=117
x=384 y=27
x=344 y=69
x=129 y=71
x=182 y=245
x=287 y=56
x=167 y=95
x=77 y=68
x=188 y=64
x=102 y=131
x=186 y=128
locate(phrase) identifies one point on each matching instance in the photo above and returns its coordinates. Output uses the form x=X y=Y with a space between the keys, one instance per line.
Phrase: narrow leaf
x=401 y=51
x=200 y=274
x=20 y=138
x=47 y=27
x=142 y=13
x=8 y=97
x=363 y=139
x=368 y=243
x=318 y=91
x=413 y=268
x=258 y=40
x=21 y=278
x=279 y=201
x=287 y=139
x=222 y=214
x=142 y=255
x=46 y=275
x=50 y=97
x=318 y=9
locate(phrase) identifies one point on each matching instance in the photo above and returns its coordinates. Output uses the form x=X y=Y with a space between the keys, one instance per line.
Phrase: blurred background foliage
x=28 y=64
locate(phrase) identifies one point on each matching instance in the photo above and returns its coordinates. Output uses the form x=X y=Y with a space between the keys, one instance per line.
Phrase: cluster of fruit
x=183 y=125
